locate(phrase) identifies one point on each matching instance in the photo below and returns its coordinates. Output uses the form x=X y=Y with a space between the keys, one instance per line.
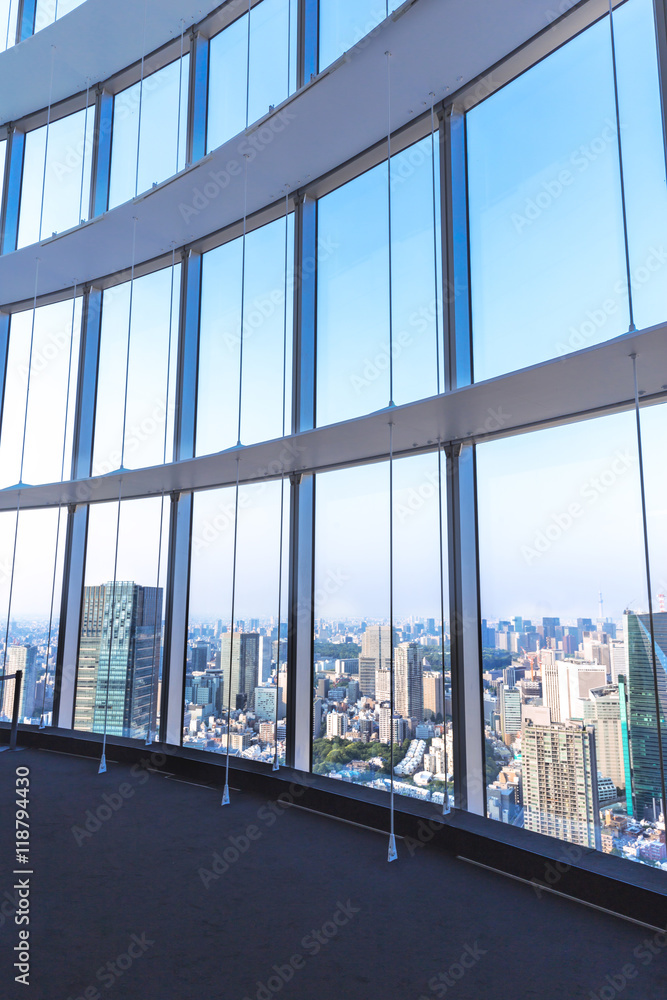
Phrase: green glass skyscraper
x=643 y=718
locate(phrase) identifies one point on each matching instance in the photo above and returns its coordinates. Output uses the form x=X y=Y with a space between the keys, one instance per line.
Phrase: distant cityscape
x=572 y=744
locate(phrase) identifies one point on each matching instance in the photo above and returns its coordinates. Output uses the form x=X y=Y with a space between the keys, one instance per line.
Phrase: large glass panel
x=251 y=649
x=266 y=308
x=134 y=423
x=48 y=11
x=122 y=619
x=8 y=17
x=643 y=159
x=244 y=84
x=149 y=131
x=55 y=189
x=545 y=209
x=31 y=567
x=353 y=344
x=39 y=400
x=3 y=157
x=344 y=22
x=353 y=720
x=566 y=669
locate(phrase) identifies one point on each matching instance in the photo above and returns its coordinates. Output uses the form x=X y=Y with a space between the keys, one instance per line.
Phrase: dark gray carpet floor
x=301 y=907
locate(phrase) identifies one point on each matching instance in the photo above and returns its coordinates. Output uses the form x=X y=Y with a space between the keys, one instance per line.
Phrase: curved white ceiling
x=92 y=42
x=436 y=46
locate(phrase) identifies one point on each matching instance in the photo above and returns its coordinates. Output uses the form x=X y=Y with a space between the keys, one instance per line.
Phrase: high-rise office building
x=408 y=689
x=432 y=685
x=509 y=699
x=119 y=659
x=643 y=719
x=240 y=651
x=375 y=655
x=560 y=782
x=602 y=711
x=23 y=658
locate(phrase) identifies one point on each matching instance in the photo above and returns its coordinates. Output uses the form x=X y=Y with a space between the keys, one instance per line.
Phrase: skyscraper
x=375 y=655
x=560 y=782
x=643 y=720
x=22 y=658
x=602 y=711
x=244 y=651
x=119 y=658
x=408 y=686
x=432 y=682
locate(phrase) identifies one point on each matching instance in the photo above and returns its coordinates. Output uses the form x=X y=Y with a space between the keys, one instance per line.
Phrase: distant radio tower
x=601 y=608
x=661 y=602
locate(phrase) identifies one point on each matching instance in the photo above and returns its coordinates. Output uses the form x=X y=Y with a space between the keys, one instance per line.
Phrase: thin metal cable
x=129 y=341
x=180 y=95
x=435 y=250
x=445 y=804
x=647 y=561
x=103 y=760
x=243 y=261
x=62 y=476
x=158 y=623
x=392 y=839
x=247 y=72
x=46 y=142
x=389 y=220
x=225 y=794
x=29 y=378
x=83 y=155
x=141 y=101
x=626 y=242
x=282 y=486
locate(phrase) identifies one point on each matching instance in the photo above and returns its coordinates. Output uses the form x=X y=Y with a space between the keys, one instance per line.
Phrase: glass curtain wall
x=149 y=135
x=252 y=68
x=39 y=399
x=245 y=340
x=238 y=653
x=136 y=384
x=344 y=23
x=55 y=188
x=546 y=211
x=359 y=724
x=354 y=346
x=119 y=670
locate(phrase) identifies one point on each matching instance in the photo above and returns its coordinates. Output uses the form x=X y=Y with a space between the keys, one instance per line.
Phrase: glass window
x=255 y=653
x=55 y=189
x=570 y=747
x=243 y=85
x=344 y=22
x=122 y=619
x=546 y=213
x=8 y=18
x=353 y=346
x=39 y=399
x=48 y=11
x=353 y=720
x=134 y=422
x=267 y=340
x=31 y=579
x=3 y=157
x=149 y=132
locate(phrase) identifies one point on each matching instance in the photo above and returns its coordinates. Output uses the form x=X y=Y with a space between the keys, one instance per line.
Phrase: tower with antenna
x=601 y=608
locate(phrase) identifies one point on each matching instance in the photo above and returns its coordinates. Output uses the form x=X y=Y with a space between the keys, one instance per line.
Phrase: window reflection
x=343 y=23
